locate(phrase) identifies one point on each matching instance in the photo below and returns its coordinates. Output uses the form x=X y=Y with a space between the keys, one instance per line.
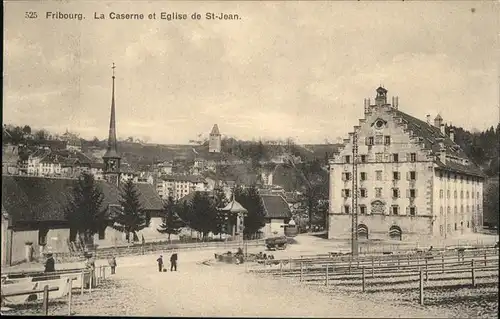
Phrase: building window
x=472 y=194
x=387 y=140
x=441 y=210
x=346 y=209
x=467 y=208
x=395 y=209
x=441 y=193
x=467 y=224
x=455 y=209
x=441 y=229
x=363 y=158
x=467 y=194
x=477 y=195
x=369 y=141
x=346 y=193
x=395 y=157
x=347 y=159
x=378 y=157
x=363 y=176
x=378 y=139
x=102 y=233
x=413 y=193
x=448 y=193
x=395 y=193
x=396 y=176
x=42 y=236
x=413 y=157
x=413 y=211
x=378 y=192
x=362 y=209
x=346 y=176
x=455 y=194
x=461 y=194
x=413 y=175
x=378 y=175
x=362 y=192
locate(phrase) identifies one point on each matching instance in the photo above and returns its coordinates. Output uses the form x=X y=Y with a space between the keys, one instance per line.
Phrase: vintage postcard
x=251 y=158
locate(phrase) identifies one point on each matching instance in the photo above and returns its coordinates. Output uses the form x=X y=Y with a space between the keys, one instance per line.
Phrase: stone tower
x=214 y=142
x=111 y=157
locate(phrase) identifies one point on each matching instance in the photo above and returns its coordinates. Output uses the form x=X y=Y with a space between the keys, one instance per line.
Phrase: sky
x=284 y=69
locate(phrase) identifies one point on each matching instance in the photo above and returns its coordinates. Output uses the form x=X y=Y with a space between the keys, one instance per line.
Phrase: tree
x=491 y=203
x=84 y=211
x=249 y=198
x=172 y=224
x=27 y=130
x=220 y=201
x=41 y=135
x=203 y=214
x=132 y=218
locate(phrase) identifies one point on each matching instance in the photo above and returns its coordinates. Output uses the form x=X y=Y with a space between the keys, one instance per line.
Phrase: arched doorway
x=395 y=232
x=362 y=231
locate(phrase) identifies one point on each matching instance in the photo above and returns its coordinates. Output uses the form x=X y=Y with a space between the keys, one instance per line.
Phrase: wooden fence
x=385 y=270
x=85 y=278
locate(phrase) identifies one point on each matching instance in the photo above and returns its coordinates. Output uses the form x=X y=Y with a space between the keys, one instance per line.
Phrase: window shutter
x=407 y=193
x=386 y=157
x=416 y=192
x=366 y=140
x=415 y=175
x=407 y=210
x=415 y=210
x=343 y=176
x=399 y=175
x=342 y=209
x=343 y=194
x=407 y=176
x=408 y=157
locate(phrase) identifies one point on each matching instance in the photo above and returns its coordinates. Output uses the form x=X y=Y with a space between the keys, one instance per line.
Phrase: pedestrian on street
x=112 y=264
x=90 y=265
x=160 y=263
x=173 y=262
x=50 y=263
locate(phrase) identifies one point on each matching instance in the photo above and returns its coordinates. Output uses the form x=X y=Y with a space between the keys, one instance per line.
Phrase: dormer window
x=379 y=124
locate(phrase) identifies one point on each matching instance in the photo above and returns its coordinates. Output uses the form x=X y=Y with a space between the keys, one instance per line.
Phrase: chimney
x=452 y=134
x=428 y=119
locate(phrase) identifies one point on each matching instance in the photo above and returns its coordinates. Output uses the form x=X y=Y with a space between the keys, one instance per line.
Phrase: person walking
x=50 y=263
x=112 y=264
x=173 y=262
x=160 y=263
x=90 y=265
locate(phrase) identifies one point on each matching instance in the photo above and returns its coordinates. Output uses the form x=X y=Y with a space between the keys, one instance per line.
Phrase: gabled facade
x=413 y=181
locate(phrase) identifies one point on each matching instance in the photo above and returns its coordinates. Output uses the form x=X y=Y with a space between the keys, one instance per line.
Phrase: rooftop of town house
x=275 y=206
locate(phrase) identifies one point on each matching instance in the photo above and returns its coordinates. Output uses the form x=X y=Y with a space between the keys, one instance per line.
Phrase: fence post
x=473 y=274
x=421 y=286
x=398 y=262
x=442 y=264
x=426 y=270
x=290 y=262
x=363 y=277
x=91 y=279
x=301 y=270
x=326 y=275
x=350 y=260
x=408 y=260
x=70 y=295
x=373 y=267
x=485 y=258
x=281 y=268
x=45 y=305
x=83 y=281
x=104 y=272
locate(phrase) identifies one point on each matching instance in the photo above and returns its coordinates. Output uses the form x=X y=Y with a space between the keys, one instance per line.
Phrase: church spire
x=112 y=150
x=111 y=157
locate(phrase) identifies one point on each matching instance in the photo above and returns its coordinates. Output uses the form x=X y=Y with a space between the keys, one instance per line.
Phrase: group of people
x=173 y=263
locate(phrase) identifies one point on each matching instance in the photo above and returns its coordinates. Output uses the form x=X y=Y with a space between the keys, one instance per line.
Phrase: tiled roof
x=215 y=130
x=150 y=199
x=45 y=199
x=275 y=206
x=234 y=207
x=431 y=136
x=189 y=178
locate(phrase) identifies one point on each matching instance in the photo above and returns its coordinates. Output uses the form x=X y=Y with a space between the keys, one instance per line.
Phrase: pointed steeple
x=112 y=150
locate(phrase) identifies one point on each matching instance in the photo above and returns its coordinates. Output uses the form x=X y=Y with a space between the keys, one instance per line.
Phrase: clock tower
x=111 y=157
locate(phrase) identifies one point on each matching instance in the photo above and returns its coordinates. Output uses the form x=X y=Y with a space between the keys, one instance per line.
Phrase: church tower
x=111 y=157
x=214 y=142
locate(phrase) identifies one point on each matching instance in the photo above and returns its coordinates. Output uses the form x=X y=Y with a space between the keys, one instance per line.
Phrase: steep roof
x=275 y=206
x=188 y=178
x=45 y=199
x=215 y=130
x=432 y=137
x=234 y=207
